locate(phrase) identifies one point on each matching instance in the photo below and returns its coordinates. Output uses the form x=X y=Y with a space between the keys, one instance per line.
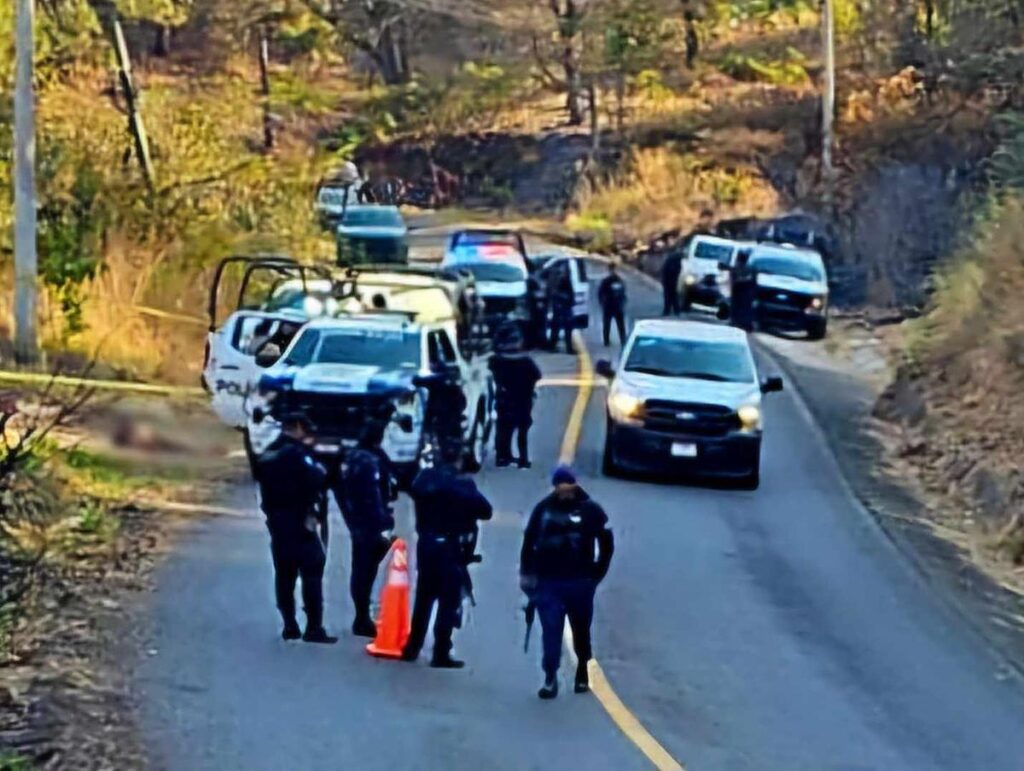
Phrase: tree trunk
x=391 y=57
x=568 y=28
x=162 y=44
x=620 y=97
x=268 y=118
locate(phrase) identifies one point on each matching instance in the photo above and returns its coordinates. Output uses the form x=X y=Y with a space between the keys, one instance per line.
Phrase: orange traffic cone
x=393 y=622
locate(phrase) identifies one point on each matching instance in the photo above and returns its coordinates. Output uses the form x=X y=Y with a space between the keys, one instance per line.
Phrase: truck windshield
x=372 y=217
x=787 y=266
x=503 y=272
x=724 y=362
x=386 y=349
x=707 y=250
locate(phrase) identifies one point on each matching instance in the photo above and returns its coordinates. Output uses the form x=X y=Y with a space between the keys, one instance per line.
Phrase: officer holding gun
x=448 y=507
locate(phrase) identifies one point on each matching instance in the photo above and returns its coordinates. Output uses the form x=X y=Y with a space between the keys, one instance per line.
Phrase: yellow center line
x=599 y=685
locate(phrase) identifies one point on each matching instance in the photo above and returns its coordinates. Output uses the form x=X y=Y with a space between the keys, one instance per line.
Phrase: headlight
x=624 y=406
x=816 y=304
x=689 y=279
x=312 y=306
x=750 y=417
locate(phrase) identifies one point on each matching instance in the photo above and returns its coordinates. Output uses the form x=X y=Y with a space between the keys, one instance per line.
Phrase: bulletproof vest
x=563 y=545
x=617 y=291
x=285 y=498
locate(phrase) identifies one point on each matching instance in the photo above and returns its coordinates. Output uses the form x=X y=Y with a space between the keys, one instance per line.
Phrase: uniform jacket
x=291 y=487
x=515 y=376
x=611 y=293
x=368 y=493
x=447 y=503
x=562 y=538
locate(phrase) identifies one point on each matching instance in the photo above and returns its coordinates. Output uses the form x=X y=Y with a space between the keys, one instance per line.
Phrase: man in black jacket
x=448 y=507
x=611 y=294
x=367 y=494
x=671 y=268
x=558 y=569
x=515 y=377
x=561 y=297
x=292 y=496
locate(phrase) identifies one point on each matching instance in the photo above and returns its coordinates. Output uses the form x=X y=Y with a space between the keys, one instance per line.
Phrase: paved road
x=774 y=629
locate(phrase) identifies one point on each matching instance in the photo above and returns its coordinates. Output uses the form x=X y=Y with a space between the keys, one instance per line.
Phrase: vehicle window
x=301 y=352
x=372 y=216
x=502 y=272
x=725 y=362
x=706 y=250
x=787 y=266
x=439 y=349
x=581 y=268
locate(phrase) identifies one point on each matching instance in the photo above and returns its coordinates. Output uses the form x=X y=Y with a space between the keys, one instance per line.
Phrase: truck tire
x=608 y=466
x=476 y=447
x=816 y=329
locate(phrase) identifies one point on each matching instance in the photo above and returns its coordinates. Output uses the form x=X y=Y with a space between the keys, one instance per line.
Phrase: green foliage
x=9 y=761
x=1006 y=166
x=634 y=36
x=168 y=12
x=790 y=71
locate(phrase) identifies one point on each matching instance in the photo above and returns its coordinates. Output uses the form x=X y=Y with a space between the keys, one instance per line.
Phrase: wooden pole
x=135 y=124
x=26 y=345
x=828 y=103
x=268 y=119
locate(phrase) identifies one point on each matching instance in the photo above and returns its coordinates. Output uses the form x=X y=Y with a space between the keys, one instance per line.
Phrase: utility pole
x=26 y=346
x=131 y=98
x=828 y=103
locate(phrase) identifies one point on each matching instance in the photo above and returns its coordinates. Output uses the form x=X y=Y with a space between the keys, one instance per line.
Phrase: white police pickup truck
x=344 y=370
x=250 y=343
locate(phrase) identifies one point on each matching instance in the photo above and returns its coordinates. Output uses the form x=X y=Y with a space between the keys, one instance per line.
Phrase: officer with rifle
x=366 y=495
x=292 y=495
x=516 y=375
x=448 y=508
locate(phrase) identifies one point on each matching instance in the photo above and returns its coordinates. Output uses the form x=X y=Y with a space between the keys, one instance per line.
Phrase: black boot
x=582 y=684
x=410 y=655
x=445 y=661
x=524 y=463
x=291 y=631
x=550 y=688
x=319 y=635
x=363 y=626
x=503 y=462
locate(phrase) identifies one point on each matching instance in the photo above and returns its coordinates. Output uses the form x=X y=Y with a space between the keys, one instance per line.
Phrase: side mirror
x=405 y=423
x=604 y=368
x=771 y=385
x=258 y=415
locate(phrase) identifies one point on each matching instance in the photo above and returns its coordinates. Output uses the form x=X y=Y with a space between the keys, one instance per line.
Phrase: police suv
x=686 y=398
x=792 y=289
x=497 y=261
x=704 y=278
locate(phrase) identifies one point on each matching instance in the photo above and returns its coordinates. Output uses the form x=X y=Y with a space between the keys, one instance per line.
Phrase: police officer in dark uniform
x=444 y=416
x=743 y=291
x=515 y=377
x=561 y=297
x=367 y=492
x=671 y=268
x=448 y=507
x=559 y=571
x=292 y=495
x=611 y=294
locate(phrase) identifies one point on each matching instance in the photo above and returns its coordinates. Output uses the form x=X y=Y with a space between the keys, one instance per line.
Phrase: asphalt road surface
x=774 y=629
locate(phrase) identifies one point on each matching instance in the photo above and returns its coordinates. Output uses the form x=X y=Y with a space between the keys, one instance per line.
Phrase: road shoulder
x=840 y=394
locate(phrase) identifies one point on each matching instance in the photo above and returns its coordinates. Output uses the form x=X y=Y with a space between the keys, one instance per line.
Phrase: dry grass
x=660 y=190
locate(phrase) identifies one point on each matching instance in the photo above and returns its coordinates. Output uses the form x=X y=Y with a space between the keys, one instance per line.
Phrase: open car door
x=230 y=368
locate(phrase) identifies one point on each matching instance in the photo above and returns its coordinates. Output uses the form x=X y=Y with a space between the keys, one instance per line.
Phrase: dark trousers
x=670 y=294
x=510 y=423
x=560 y=326
x=367 y=552
x=293 y=558
x=558 y=599
x=438 y=579
x=619 y=316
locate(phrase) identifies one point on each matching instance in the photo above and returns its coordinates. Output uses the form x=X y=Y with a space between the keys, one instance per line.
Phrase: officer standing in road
x=567 y=549
x=561 y=297
x=515 y=377
x=611 y=294
x=742 y=291
x=292 y=496
x=448 y=507
x=670 y=270
x=367 y=492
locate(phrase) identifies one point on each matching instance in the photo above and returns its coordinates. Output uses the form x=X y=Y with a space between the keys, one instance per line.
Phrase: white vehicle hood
x=732 y=395
x=501 y=288
x=788 y=283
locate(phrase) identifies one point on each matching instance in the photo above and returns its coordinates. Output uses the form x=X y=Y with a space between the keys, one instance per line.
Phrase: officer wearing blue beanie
x=567 y=549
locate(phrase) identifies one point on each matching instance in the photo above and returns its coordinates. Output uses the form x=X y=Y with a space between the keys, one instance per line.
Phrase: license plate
x=327 y=449
x=684 y=450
